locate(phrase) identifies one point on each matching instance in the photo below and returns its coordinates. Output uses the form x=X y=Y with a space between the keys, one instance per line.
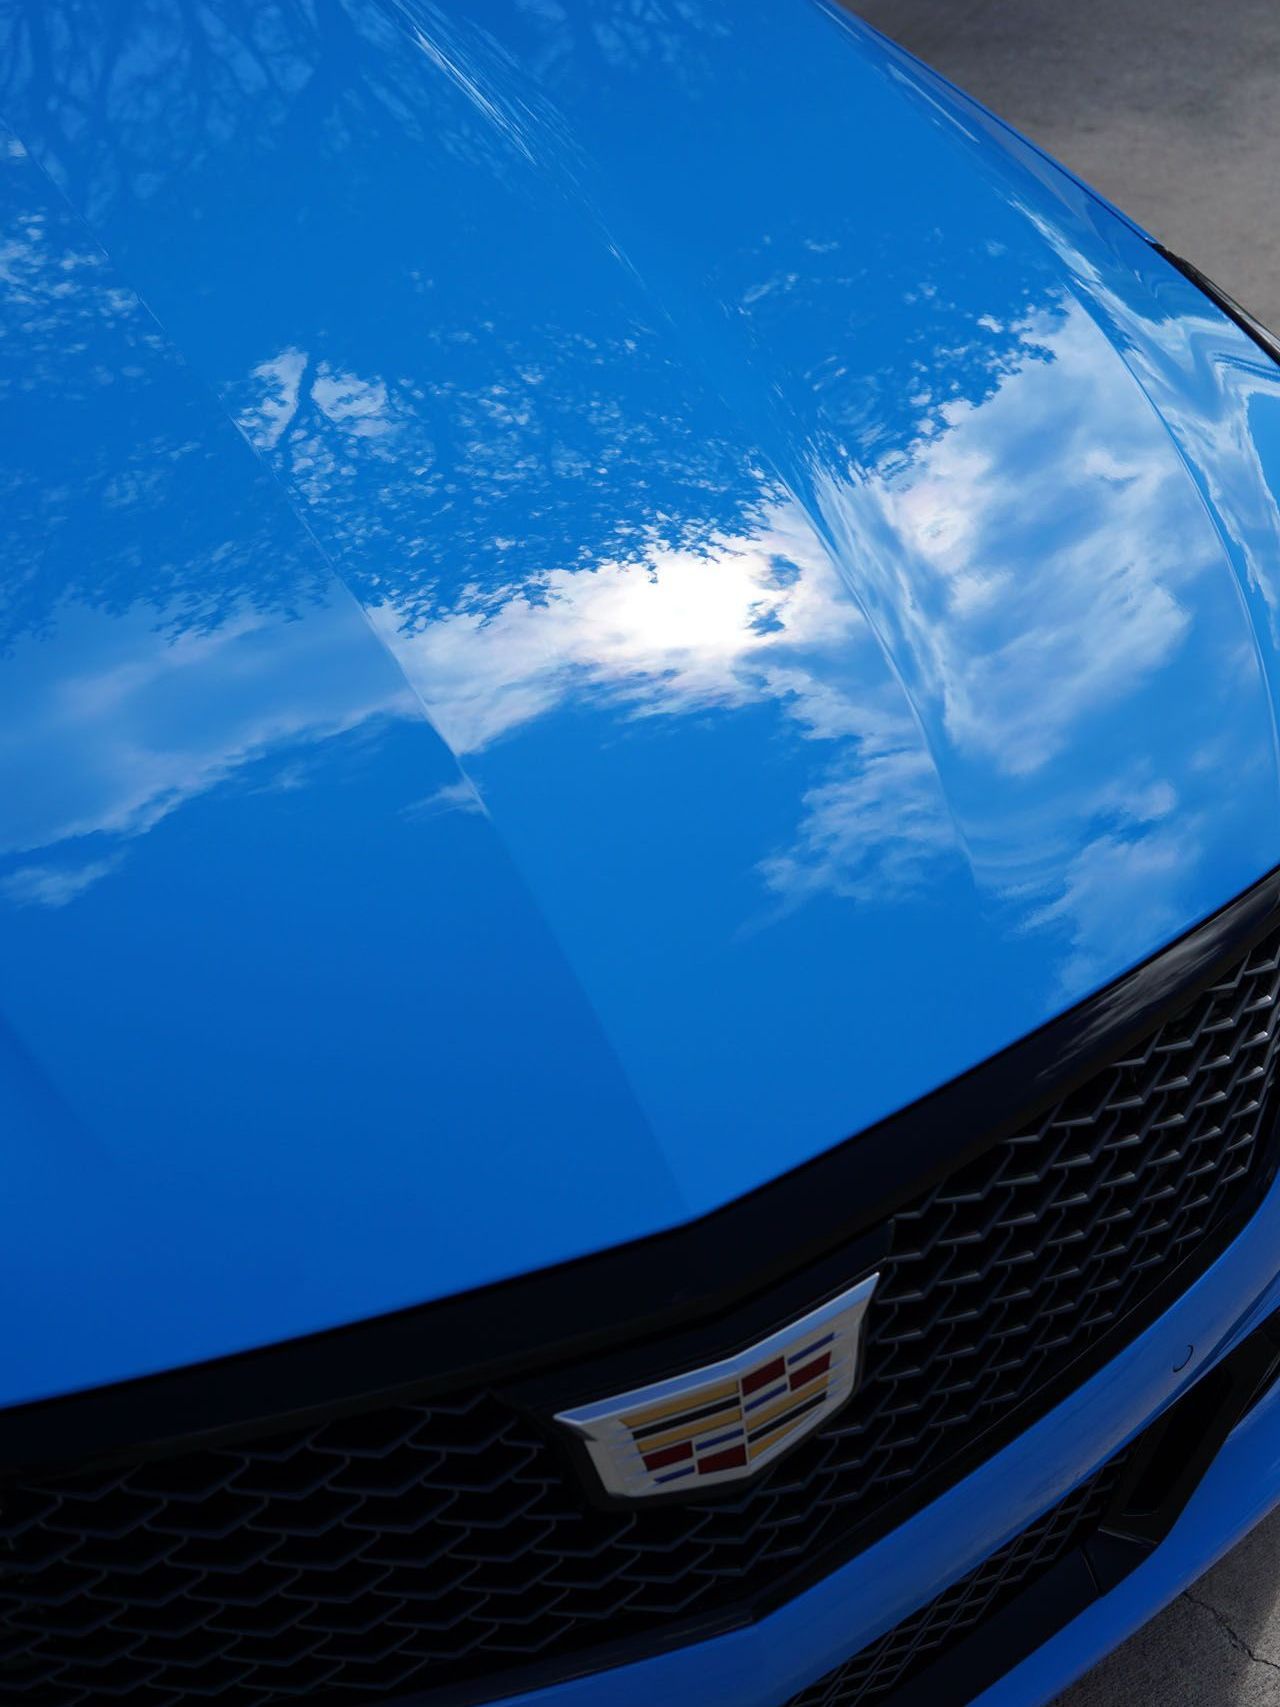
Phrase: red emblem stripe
x=819 y=1366
x=761 y=1377
x=668 y=1455
x=732 y=1458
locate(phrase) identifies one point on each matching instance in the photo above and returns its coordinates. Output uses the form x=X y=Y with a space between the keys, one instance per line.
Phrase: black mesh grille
x=442 y=1542
x=921 y=1639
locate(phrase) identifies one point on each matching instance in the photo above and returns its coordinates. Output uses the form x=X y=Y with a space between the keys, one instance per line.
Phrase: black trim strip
x=1262 y=336
x=674 y=1284
x=667 y=1423
x=786 y=1418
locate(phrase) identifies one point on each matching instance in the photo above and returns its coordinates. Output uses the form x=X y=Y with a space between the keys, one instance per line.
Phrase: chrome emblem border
x=726 y=1421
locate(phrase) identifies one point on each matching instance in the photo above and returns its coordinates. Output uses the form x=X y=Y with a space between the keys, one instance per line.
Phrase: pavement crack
x=1232 y=1634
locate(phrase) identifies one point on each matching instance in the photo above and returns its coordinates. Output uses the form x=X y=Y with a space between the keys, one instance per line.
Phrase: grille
x=441 y=1542
x=919 y=1640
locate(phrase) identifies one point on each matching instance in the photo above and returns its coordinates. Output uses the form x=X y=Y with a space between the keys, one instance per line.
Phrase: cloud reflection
x=1008 y=613
x=878 y=828
x=1022 y=607
x=54 y=885
x=1018 y=602
x=131 y=725
x=957 y=568
x=665 y=633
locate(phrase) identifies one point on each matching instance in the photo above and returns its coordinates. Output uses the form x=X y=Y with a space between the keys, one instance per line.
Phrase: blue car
x=640 y=882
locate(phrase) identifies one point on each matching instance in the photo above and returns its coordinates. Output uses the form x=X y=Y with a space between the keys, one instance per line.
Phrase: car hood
x=591 y=606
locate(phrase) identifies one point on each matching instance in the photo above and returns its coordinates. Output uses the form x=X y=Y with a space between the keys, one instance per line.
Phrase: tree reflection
x=107 y=437
x=454 y=419
x=549 y=331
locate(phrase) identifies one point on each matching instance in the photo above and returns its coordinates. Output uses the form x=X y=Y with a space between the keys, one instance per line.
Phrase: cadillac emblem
x=724 y=1422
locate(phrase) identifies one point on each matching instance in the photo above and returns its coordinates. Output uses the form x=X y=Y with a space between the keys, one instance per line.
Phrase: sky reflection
x=905 y=543
x=768 y=594
x=260 y=944
x=1013 y=614
x=124 y=725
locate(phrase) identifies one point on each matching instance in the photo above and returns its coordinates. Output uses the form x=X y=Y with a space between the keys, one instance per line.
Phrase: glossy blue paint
x=592 y=606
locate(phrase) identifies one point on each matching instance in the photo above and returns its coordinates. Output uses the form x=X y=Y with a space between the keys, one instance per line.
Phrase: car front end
x=639 y=915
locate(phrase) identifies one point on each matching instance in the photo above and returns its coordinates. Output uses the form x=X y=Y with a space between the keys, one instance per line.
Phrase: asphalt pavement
x=1171 y=108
